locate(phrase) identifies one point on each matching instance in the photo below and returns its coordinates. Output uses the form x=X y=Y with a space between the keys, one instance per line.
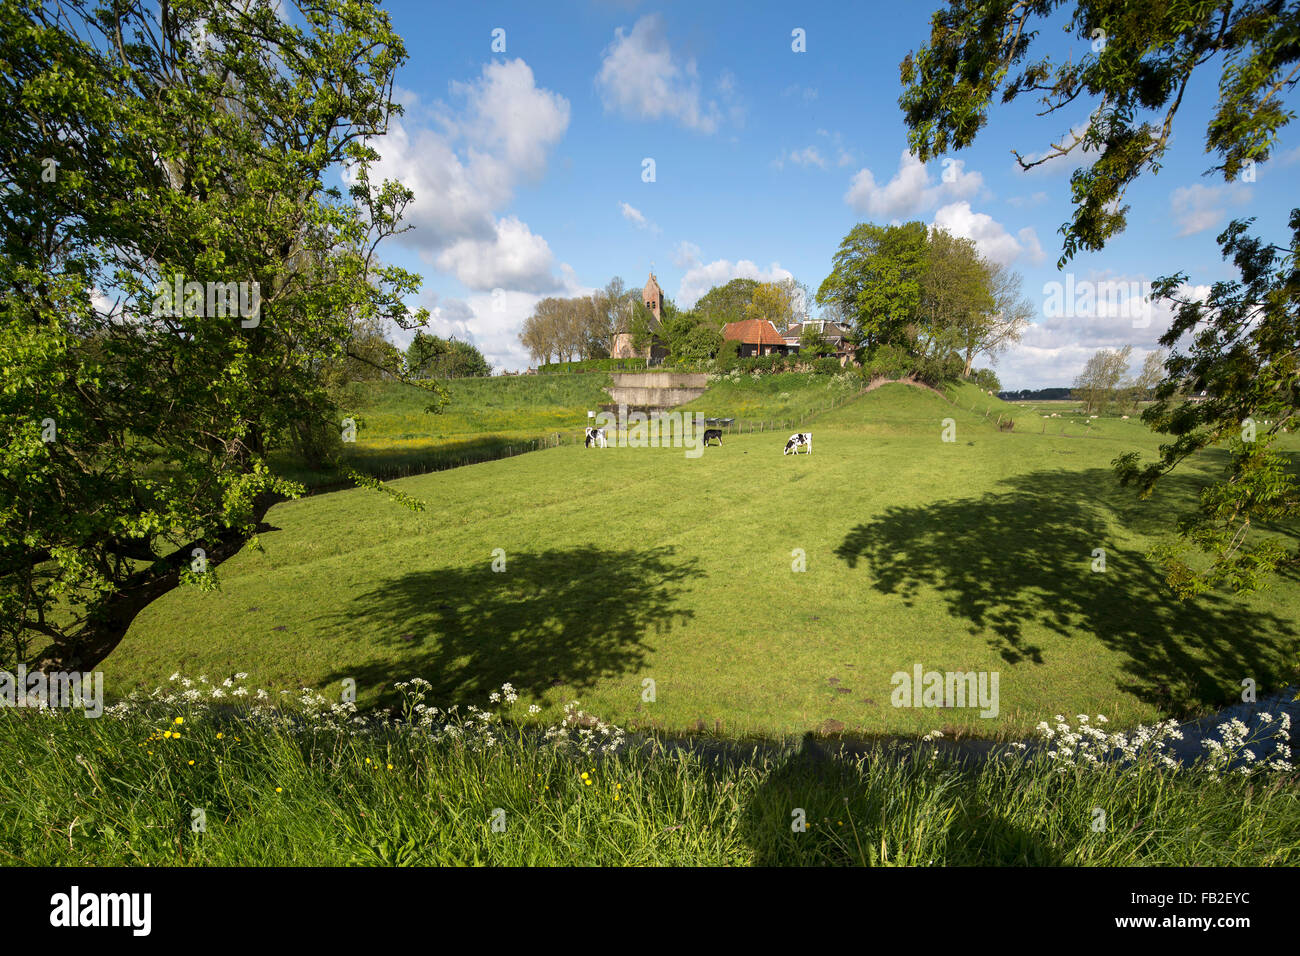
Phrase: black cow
x=596 y=438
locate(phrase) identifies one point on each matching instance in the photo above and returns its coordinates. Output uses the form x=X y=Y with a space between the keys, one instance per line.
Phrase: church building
x=653 y=298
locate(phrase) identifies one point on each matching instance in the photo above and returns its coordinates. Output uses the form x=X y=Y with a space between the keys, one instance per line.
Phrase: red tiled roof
x=753 y=332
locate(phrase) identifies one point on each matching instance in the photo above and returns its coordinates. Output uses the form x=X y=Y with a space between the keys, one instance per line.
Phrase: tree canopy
x=430 y=356
x=1135 y=60
x=177 y=279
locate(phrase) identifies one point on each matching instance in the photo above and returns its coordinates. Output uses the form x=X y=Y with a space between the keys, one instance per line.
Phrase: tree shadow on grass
x=558 y=617
x=1022 y=558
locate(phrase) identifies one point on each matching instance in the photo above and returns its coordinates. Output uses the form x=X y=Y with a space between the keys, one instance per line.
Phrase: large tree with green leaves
x=726 y=303
x=955 y=297
x=431 y=356
x=145 y=145
x=875 y=281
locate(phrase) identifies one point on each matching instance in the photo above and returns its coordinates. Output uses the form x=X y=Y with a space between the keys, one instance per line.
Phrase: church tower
x=653 y=297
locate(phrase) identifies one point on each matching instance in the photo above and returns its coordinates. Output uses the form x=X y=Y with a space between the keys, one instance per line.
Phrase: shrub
x=593 y=365
x=728 y=356
x=887 y=361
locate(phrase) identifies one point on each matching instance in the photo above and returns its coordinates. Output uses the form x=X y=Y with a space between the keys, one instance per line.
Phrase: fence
x=741 y=426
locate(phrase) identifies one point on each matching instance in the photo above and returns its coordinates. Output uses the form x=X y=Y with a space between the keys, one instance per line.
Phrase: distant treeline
x=1036 y=395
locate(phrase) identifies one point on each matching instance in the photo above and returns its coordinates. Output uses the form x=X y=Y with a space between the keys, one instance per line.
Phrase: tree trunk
x=86 y=648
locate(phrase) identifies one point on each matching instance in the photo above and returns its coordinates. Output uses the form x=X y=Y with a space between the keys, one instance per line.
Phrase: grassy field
x=630 y=565
x=490 y=418
x=784 y=396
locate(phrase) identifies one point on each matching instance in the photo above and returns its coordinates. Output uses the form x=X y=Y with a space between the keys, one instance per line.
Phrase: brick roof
x=753 y=332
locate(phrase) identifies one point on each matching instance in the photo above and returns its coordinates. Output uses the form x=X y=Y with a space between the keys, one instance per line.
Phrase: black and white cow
x=712 y=433
x=798 y=440
x=596 y=438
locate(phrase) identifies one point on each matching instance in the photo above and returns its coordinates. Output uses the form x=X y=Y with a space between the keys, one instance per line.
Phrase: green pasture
x=624 y=566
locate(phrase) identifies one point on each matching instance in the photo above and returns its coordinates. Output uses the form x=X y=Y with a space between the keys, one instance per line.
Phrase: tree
x=1136 y=389
x=545 y=332
x=1144 y=56
x=191 y=145
x=370 y=357
x=726 y=303
x=1233 y=377
x=1006 y=320
x=875 y=281
x=597 y=330
x=772 y=301
x=611 y=315
x=800 y=300
x=954 y=297
x=1137 y=57
x=812 y=343
x=1095 y=385
x=691 y=341
x=644 y=327
x=429 y=356
x=1153 y=372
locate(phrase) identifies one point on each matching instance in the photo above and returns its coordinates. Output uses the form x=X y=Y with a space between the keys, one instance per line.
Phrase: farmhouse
x=756 y=337
x=834 y=334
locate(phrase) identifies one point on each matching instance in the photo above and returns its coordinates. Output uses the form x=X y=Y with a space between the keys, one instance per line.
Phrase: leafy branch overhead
x=1134 y=63
x=1237 y=381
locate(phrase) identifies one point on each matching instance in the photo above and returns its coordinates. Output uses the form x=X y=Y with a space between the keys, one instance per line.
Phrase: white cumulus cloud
x=466 y=166
x=991 y=238
x=513 y=258
x=1197 y=208
x=912 y=188
x=640 y=77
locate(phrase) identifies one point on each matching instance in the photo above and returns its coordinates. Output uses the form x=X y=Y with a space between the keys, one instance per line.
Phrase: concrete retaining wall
x=656 y=389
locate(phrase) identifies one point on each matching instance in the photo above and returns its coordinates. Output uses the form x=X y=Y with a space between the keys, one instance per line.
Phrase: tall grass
x=180 y=779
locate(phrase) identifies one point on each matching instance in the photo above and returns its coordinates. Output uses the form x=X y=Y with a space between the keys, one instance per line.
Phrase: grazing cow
x=596 y=438
x=712 y=433
x=798 y=440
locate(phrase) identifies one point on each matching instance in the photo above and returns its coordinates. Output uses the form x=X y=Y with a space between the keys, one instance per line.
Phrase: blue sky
x=528 y=166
